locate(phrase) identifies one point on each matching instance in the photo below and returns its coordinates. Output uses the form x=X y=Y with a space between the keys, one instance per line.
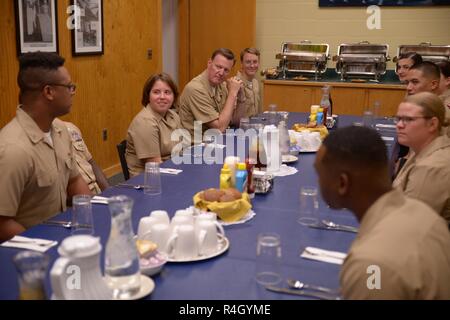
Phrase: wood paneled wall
x=206 y=25
x=109 y=86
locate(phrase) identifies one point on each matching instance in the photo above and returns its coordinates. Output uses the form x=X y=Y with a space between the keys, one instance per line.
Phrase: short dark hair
x=36 y=69
x=444 y=66
x=227 y=53
x=428 y=68
x=164 y=77
x=356 y=147
x=251 y=51
x=415 y=57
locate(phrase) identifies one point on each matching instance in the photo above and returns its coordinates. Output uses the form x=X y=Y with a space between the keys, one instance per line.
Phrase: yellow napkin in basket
x=227 y=211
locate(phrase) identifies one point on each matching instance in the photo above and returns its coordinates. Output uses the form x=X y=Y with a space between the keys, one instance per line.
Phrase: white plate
x=288 y=158
x=147 y=287
x=308 y=150
x=224 y=244
x=248 y=216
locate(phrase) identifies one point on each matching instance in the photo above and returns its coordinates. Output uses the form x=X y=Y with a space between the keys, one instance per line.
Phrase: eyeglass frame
x=407 y=120
x=71 y=86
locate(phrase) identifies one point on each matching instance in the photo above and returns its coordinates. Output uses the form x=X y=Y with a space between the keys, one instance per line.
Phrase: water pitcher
x=121 y=256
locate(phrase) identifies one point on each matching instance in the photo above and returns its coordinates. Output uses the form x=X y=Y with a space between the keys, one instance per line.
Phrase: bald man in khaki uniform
x=89 y=170
x=402 y=247
x=149 y=136
x=207 y=98
x=37 y=165
x=408 y=242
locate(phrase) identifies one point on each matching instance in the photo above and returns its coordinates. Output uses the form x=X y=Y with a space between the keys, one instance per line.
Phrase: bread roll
x=212 y=194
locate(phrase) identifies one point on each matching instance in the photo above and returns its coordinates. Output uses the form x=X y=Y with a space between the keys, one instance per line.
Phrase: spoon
x=331 y=224
x=296 y=284
x=136 y=187
x=65 y=224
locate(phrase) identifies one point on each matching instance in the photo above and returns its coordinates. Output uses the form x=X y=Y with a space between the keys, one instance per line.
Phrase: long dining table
x=231 y=275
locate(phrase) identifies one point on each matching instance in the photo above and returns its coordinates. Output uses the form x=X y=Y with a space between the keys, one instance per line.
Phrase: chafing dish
x=303 y=58
x=433 y=53
x=361 y=59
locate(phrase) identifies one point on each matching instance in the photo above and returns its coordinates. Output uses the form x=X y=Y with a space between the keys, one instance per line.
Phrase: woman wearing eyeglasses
x=149 y=134
x=426 y=174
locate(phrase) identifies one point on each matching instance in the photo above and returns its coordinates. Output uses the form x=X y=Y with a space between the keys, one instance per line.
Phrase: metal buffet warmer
x=361 y=59
x=432 y=53
x=303 y=59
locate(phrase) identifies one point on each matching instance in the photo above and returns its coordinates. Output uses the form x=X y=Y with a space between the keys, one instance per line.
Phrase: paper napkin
x=323 y=255
x=34 y=244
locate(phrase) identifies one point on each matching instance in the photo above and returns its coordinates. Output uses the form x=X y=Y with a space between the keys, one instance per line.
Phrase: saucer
x=288 y=158
x=147 y=287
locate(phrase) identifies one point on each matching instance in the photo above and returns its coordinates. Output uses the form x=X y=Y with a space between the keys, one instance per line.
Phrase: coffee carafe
x=76 y=275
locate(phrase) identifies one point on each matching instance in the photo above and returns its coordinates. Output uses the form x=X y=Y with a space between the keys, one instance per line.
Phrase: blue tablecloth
x=231 y=275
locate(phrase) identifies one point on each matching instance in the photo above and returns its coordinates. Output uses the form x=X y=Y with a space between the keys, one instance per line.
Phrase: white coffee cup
x=183 y=243
x=161 y=216
x=160 y=234
x=145 y=227
x=185 y=213
x=208 y=236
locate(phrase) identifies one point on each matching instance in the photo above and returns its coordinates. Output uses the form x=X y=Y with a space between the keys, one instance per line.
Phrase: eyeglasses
x=406 y=120
x=71 y=86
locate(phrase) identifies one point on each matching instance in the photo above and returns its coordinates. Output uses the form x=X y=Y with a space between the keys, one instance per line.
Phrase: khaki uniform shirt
x=252 y=95
x=34 y=173
x=149 y=135
x=201 y=102
x=409 y=243
x=82 y=157
x=445 y=97
x=427 y=176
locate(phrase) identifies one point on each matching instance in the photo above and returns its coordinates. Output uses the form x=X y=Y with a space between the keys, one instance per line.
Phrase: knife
x=345 y=229
x=65 y=224
x=303 y=293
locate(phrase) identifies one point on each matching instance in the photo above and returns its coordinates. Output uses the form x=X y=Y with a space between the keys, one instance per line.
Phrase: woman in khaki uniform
x=149 y=134
x=426 y=173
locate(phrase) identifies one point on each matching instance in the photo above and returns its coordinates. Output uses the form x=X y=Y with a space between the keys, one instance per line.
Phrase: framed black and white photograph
x=36 y=26
x=87 y=35
x=392 y=3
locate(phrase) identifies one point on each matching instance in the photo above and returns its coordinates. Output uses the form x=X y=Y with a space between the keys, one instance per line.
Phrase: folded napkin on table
x=34 y=244
x=99 y=200
x=323 y=255
x=170 y=170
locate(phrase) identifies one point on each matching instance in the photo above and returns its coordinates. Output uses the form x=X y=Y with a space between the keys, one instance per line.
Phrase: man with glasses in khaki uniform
x=207 y=98
x=402 y=247
x=38 y=169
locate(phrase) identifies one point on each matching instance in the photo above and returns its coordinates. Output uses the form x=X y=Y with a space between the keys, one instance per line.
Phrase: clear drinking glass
x=268 y=259
x=82 y=219
x=32 y=269
x=152 y=179
x=309 y=206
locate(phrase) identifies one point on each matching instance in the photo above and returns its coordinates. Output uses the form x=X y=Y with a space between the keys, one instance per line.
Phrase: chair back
x=121 y=148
